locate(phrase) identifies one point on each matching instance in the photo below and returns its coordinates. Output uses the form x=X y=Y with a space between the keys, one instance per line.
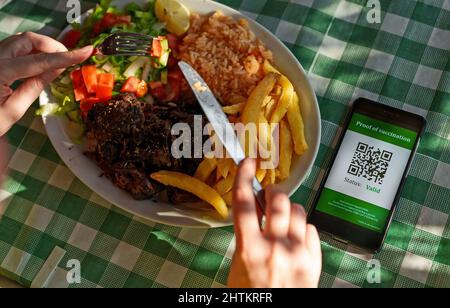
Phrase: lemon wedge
x=174 y=14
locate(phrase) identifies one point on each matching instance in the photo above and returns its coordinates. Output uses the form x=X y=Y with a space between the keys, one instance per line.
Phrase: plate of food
x=111 y=118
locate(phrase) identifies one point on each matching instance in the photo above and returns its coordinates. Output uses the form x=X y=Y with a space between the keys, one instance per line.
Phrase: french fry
x=294 y=117
x=268 y=68
x=266 y=182
x=269 y=179
x=261 y=174
x=195 y=187
x=286 y=151
x=225 y=185
x=266 y=101
x=234 y=109
x=287 y=95
x=273 y=176
x=264 y=132
x=277 y=173
x=297 y=126
x=205 y=169
x=223 y=167
x=228 y=197
x=253 y=107
x=285 y=100
x=277 y=90
x=270 y=108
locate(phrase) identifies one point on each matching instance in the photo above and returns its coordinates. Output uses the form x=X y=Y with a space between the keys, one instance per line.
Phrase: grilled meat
x=129 y=140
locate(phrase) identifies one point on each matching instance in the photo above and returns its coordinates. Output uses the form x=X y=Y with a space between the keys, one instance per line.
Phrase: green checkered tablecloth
x=403 y=62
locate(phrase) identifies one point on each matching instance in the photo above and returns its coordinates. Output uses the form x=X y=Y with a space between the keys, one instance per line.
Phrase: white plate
x=88 y=172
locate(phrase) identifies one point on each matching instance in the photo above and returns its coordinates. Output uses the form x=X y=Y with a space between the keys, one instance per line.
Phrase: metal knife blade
x=222 y=127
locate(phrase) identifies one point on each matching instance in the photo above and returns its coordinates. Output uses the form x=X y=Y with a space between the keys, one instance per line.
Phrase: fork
x=126 y=44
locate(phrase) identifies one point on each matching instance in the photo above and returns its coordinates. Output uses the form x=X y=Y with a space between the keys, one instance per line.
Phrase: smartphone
x=360 y=190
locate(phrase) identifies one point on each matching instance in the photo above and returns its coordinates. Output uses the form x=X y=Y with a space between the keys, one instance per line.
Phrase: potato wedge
x=286 y=151
x=253 y=107
x=195 y=187
x=297 y=126
x=205 y=169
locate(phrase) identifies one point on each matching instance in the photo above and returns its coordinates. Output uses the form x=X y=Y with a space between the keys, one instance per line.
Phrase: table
x=403 y=62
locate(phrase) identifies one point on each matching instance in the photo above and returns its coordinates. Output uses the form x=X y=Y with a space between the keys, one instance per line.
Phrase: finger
x=313 y=241
x=18 y=103
x=297 y=226
x=244 y=204
x=278 y=213
x=34 y=65
x=5 y=91
x=25 y=43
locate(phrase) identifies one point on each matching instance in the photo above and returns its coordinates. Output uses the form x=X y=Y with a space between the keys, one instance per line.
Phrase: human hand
x=285 y=254
x=37 y=60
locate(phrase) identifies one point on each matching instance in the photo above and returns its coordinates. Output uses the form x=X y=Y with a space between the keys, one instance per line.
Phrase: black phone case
x=345 y=231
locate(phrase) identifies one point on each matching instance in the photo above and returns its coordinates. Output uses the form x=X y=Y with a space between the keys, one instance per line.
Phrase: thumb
x=21 y=99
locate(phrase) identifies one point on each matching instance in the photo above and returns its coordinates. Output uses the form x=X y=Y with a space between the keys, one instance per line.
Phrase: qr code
x=370 y=163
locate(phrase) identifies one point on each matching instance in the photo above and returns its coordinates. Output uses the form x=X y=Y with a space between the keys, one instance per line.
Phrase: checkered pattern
x=403 y=62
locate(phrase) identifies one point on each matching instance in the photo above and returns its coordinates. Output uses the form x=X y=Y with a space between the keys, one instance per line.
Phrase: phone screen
x=362 y=185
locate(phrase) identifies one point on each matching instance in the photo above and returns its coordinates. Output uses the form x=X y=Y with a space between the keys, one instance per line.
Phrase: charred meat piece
x=178 y=196
x=129 y=140
x=135 y=181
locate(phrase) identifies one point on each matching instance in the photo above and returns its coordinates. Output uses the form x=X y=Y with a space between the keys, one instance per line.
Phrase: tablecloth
x=404 y=61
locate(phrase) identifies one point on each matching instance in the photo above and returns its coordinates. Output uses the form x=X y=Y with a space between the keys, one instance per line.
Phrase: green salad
x=155 y=76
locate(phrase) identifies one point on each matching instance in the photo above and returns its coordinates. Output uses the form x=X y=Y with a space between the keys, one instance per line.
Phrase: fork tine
x=144 y=52
x=132 y=42
x=127 y=44
x=133 y=36
x=131 y=54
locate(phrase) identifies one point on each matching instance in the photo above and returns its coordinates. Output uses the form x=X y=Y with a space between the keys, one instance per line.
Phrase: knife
x=219 y=121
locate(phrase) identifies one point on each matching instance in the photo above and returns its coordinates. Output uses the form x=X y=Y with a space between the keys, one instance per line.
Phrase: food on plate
x=130 y=139
x=206 y=168
x=175 y=14
x=252 y=109
x=297 y=127
x=122 y=109
x=286 y=150
x=220 y=48
x=194 y=186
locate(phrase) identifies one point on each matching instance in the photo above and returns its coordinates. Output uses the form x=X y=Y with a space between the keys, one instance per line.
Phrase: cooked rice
x=227 y=55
